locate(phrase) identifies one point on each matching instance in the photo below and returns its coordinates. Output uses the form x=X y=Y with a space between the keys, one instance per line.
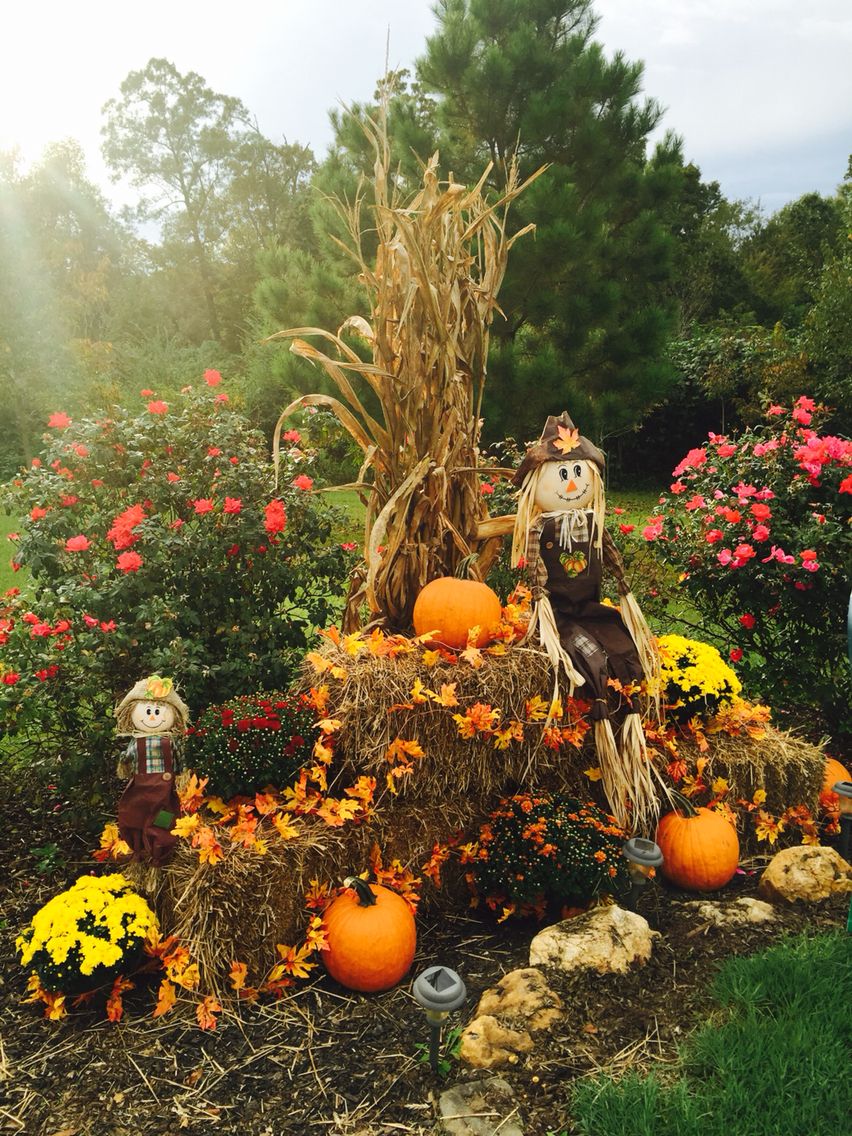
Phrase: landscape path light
x=843 y=789
x=439 y=991
x=644 y=857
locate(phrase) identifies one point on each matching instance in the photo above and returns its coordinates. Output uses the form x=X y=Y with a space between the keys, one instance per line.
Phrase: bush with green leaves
x=537 y=850
x=758 y=526
x=250 y=743
x=157 y=542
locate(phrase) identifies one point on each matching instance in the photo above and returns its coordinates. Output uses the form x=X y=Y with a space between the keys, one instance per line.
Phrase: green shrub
x=537 y=850
x=157 y=542
x=251 y=742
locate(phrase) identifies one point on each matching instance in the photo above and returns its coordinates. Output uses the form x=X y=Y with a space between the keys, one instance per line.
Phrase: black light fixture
x=643 y=857
x=439 y=991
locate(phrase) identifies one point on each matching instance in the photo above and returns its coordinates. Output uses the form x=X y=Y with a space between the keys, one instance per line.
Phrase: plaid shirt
x=154 y=758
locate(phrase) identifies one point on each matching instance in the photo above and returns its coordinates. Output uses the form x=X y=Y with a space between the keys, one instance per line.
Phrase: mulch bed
x=323 y=1060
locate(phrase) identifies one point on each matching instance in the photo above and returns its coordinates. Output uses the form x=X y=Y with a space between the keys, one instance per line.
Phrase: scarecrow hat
x=560 y=441
x=156 y=689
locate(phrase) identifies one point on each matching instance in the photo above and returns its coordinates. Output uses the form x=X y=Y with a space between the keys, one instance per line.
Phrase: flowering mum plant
x=251 y=742
x=84 y=937
x=695 y=678
x=157 y=541
x=541 y=849
x=759 y=528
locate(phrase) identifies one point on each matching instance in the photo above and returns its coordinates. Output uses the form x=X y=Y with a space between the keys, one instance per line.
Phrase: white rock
x=607 y=939
x=810 y=872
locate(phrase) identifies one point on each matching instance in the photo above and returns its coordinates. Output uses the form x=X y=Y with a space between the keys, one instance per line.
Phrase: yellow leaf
x=287 y=829
x=720 y=787
x=594 y=773
x=567 y=441
x=237 y=975
x=186 y=825
x=446 y=696
x=473 y=655
x=419 y=692
x=329 y=725
x=759 y=797
x=319 y=662
x=430 y=658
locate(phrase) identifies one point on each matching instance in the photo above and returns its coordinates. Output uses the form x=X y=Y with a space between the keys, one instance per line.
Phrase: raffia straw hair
x=636 y=761
x=646 y=645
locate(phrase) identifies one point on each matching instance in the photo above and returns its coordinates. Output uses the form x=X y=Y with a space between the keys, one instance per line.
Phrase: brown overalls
x=149 y=807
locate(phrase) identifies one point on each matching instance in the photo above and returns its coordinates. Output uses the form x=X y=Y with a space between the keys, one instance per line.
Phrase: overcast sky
x=760 y=90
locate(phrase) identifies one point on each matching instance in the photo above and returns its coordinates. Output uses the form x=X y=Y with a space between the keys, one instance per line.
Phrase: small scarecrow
x=155 y=718
x=561 y=540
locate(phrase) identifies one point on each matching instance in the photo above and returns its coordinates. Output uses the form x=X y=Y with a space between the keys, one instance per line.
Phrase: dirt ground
x=323 y=1060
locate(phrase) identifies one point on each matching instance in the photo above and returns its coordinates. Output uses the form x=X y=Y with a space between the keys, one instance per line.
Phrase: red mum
x=59 y=420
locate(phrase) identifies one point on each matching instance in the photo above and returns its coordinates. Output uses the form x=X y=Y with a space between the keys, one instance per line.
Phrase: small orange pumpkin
x=700 y=847
x=451 y=607
x=834 y=772
x=371 y=937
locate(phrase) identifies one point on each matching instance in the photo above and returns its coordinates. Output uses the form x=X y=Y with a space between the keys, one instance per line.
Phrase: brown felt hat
x=560 y=441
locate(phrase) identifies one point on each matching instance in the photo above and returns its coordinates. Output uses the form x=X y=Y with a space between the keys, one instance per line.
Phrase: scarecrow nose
x=571 y=486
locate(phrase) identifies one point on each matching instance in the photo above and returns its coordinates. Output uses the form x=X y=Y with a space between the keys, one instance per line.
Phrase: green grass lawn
x=769 y=1062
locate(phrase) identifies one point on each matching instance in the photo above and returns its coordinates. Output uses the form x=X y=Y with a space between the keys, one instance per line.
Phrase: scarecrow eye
x=578 y=469
x=157 y=711
x=563 y=472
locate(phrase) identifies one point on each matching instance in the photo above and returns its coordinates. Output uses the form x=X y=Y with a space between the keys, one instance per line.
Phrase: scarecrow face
x=152 y=717
x=564 y=485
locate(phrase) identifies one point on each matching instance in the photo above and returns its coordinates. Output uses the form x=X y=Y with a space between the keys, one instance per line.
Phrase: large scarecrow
x=155 y=718
x=607 y=652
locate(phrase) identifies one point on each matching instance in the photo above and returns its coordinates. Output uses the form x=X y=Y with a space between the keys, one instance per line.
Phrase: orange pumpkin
x=834 y=772
x=451 y=607
x=700 y=847
x=371 y=937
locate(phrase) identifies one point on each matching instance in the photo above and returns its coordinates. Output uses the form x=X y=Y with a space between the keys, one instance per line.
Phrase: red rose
x=129 y=562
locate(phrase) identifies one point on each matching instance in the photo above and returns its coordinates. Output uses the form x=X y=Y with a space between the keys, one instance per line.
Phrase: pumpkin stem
x=463 y=568
x=682 y=804
x=362 y=889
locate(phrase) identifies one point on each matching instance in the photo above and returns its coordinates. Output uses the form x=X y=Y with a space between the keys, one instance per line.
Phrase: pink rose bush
x=759 y=528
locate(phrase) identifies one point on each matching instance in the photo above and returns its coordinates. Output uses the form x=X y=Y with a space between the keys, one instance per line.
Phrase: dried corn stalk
x=433 y=293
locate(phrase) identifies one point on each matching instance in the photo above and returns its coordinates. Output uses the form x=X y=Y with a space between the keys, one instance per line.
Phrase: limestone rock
x=522 y=994
x=507 y=1016
x=742 y=911
x=606 y=939
x=479 y=1108
x=486 y=1042
x=808 y=872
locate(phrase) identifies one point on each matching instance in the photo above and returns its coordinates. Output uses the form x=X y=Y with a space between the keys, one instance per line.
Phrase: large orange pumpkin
x=451 y=607
x=834 y=772
x=371 y=937
x=700 y=848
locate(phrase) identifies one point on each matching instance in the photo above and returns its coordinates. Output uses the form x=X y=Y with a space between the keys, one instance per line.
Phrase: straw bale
x=240 y=908
x=372 y=705
x=786 y=766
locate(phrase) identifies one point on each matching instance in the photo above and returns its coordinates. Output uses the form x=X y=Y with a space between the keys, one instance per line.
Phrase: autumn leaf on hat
x=567 y=441
x=158 y=687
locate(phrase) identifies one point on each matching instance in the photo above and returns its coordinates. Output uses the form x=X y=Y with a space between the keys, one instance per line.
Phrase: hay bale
x=374 y=705
x=240 y=908
x=787 y=767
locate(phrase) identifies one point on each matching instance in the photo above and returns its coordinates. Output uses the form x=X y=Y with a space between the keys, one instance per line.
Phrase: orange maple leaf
x=192 y=795
x=206 y=1012
x=567 y=441
x=166 y=998
x=446 y=696
x=115 y=1005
